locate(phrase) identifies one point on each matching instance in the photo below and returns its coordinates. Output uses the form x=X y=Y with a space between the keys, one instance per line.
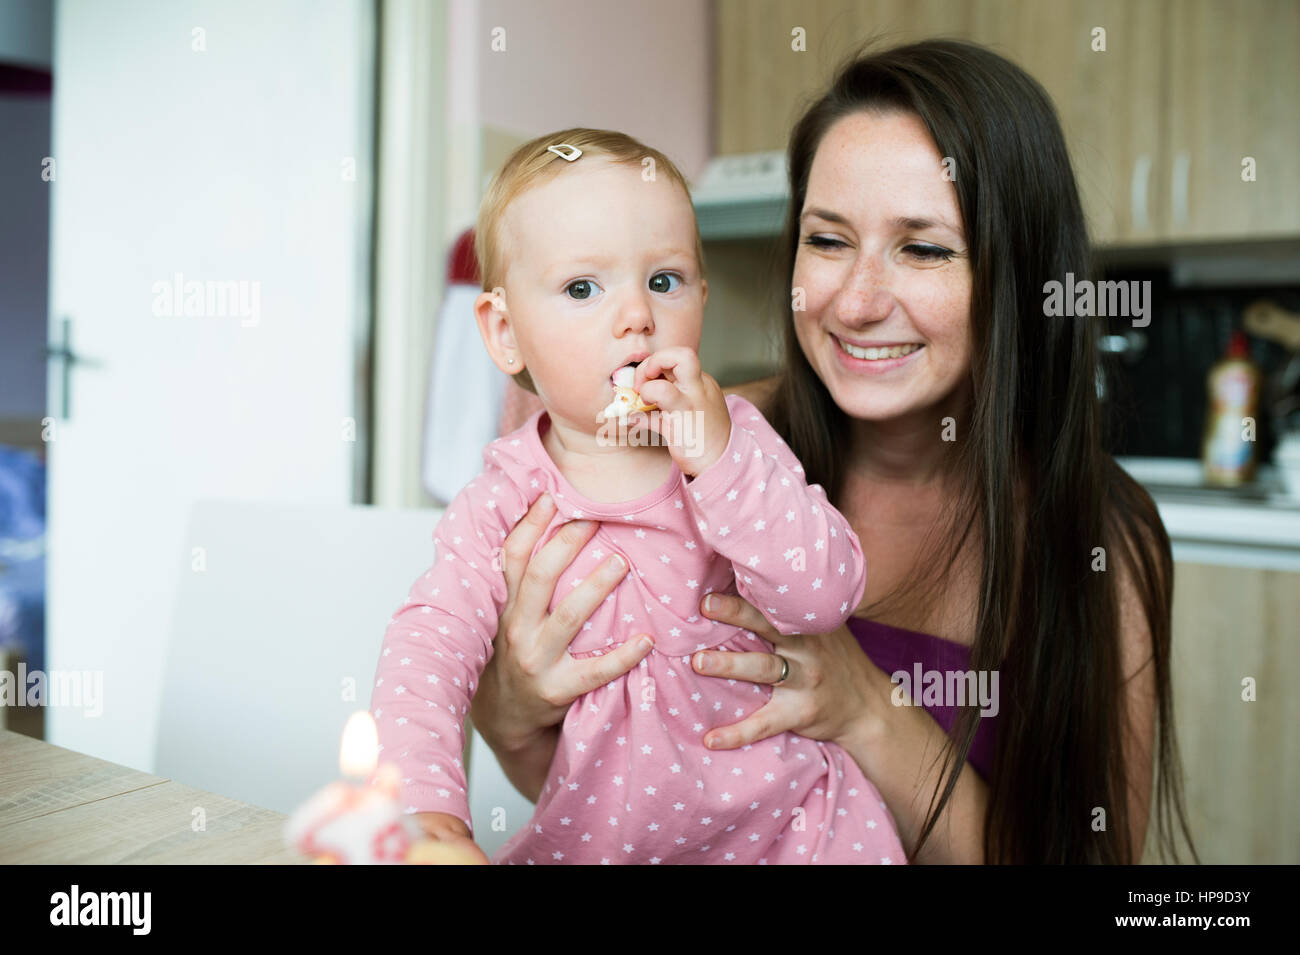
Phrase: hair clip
x=573 y=151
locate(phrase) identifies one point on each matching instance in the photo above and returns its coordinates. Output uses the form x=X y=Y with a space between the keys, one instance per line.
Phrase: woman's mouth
x=875 y=358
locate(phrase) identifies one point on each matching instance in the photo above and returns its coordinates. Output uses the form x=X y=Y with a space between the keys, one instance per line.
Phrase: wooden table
x=57 y=806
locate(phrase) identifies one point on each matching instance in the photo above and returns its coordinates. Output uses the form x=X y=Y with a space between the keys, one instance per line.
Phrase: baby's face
x=602 y=272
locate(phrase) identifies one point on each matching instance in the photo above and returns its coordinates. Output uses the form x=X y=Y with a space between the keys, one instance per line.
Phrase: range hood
x=742 y=196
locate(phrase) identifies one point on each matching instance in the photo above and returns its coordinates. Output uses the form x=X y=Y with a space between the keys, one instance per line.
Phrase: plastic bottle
x=1228 y=452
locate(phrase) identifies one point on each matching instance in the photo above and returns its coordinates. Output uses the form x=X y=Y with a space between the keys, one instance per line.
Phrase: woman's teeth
x=874 y=354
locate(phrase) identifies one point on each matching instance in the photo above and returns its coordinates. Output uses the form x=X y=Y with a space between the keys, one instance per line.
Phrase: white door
x=222 y=150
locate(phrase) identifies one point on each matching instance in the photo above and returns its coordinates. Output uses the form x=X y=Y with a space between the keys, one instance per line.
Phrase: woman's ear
x=494 y=326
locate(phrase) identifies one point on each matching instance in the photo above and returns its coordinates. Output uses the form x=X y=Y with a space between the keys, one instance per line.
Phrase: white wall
x=641 y=68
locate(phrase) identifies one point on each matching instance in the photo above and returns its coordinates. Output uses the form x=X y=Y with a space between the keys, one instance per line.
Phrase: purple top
x=893 y=649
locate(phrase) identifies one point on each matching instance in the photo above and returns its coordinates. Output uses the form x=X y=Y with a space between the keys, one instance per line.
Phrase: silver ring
x=785 y=671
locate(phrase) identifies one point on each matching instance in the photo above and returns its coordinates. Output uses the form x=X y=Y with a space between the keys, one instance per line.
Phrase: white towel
x=464 y=398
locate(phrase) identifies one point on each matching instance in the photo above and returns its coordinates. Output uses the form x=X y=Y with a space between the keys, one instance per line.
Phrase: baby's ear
x=494 y=327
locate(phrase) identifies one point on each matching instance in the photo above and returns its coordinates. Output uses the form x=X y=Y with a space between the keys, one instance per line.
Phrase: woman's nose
x=865 y=296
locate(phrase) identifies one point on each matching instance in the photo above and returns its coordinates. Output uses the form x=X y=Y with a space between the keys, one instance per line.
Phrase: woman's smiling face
x=882 y=262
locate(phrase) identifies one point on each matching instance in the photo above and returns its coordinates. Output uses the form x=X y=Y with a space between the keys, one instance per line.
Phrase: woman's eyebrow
x=826 y=214
x=917 y=224
x=906 y=223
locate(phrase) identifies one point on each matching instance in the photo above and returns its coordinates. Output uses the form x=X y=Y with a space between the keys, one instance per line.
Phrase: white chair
x=279 y=615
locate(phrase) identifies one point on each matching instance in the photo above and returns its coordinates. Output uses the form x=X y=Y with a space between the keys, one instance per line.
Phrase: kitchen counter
x=1253 y=526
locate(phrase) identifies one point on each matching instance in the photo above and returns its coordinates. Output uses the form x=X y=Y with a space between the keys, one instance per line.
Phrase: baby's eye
x=663 y=282
x=582 y=289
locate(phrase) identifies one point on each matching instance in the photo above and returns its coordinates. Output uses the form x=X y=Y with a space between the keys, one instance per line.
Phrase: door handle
x=67 y=360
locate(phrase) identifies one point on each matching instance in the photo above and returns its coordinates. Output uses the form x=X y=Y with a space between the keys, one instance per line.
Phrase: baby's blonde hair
x=531 y=165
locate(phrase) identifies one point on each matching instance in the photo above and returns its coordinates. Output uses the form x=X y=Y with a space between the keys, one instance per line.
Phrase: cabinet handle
x=1178 y=183
x=1138 y=193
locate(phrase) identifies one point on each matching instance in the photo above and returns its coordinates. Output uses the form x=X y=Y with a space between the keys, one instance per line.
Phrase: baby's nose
x=635 y=314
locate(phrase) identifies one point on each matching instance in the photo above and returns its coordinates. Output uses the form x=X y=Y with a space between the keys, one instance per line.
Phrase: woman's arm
x=834 y=692
x=896 y=746
x=527 y=686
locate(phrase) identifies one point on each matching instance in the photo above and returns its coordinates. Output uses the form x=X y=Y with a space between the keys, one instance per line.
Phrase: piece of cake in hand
x=626 y=400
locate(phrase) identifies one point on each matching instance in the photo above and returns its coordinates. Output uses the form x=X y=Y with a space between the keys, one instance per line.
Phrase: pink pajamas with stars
x=631 y=781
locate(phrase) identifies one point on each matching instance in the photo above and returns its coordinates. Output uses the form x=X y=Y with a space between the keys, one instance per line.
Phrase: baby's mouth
x=625 y=376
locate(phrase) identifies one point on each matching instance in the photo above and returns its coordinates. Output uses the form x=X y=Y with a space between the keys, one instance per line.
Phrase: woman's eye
x=665 y=282
x=823 y=242
x=581 y=289
x=931 y=252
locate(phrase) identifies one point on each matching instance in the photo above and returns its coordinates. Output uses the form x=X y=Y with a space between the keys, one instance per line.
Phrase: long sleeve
x=437 y=644
x=796 y=558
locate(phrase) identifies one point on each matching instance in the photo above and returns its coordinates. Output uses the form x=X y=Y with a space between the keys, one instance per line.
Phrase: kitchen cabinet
x=1240 y=765
x=1106 y=89
x=1158 y=123
x=1234 y=69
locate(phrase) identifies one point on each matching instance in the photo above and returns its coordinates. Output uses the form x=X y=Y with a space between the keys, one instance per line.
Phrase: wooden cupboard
x=1159 y=110
x=1232 y=78
x=1241 y=757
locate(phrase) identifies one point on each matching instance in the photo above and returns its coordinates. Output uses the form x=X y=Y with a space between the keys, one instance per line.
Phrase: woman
x=932 y=198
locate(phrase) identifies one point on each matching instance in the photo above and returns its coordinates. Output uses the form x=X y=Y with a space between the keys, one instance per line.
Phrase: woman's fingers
x=543 y=572
x=768 y=720
x=572 y=612
x=729 y=665
x=594 y=672
x=740 y=613
x=779 y=713
x=521 y=540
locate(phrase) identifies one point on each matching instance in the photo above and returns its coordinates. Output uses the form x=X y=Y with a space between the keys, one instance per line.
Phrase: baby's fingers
x=680 y=363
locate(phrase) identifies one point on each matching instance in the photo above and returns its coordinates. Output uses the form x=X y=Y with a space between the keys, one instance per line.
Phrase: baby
x=592 y=265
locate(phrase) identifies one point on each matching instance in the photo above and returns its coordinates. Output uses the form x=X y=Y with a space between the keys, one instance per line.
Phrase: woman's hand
x=822 y=698
x=835 y=693
x=530 y=681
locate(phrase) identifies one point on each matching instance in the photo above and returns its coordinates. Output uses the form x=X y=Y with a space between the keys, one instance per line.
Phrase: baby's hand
x=692 y=416
x=447 y=842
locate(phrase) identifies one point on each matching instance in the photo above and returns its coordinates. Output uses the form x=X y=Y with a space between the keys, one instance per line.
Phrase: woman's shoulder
x=1133 y=524
x=758 y=393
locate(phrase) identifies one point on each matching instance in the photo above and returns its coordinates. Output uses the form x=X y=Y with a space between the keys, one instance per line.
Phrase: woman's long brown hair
x=1038 y=492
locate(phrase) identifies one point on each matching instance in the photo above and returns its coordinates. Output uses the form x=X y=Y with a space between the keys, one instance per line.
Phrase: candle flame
x=359 y=751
